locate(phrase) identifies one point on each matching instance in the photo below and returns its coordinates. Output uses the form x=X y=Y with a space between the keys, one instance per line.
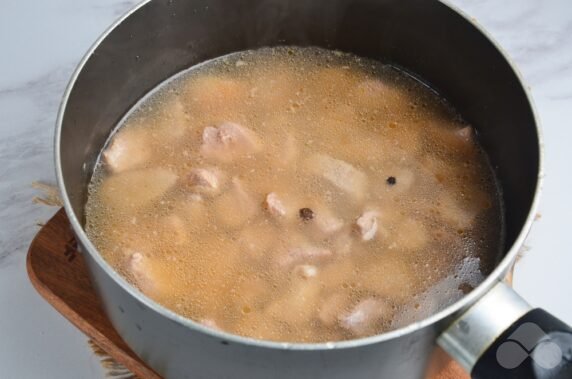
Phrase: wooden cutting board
x=58 y=272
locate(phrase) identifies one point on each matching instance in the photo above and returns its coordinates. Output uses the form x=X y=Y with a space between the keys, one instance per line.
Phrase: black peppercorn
x=391 y=180
x=306 y=214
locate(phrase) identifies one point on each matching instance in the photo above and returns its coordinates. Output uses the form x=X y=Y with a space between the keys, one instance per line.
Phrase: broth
x=296 y=194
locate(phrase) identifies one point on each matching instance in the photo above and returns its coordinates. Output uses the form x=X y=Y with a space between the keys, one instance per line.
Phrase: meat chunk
x=146 y=274
x=192 y=209
x=298 y=303
x=129 y=149
x=257 y=239
x=306 y=271
x=342 y=242
x=366 y=225
x=456 y=213
x=284 y=153
x=235 y=207
x=466 y=134
x=177 y=230
x=210 y=323
x=455 y=139
x=302 y=254
x=331 y=309
x=136 y=188
x=441 y=170
x=136 y=267
x=173 y=120
x=364 y=318
x=328 y=223
x=205 y=180
x=325 y=222
x=228 y=141
x=341 y=174
x=376 y=93
x=274 y=205
x=321 y=221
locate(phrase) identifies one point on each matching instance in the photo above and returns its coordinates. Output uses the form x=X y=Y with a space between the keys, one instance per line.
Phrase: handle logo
x=528 y=340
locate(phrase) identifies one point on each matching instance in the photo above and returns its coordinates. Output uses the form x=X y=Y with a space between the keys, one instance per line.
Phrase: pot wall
x=179 y=351
x=162 y=37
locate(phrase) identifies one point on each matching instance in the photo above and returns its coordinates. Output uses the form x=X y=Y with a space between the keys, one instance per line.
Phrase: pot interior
x=426 y=38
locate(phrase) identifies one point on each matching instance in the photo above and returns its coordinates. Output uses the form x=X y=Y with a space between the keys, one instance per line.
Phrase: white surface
x=42 y=41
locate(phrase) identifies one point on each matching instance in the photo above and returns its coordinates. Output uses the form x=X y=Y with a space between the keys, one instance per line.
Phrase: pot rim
x=463 y=303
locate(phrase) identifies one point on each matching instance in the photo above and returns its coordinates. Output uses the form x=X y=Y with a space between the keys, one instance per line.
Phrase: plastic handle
x=536 y=346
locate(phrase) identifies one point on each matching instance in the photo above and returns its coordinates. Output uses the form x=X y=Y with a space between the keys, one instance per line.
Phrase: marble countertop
x=42 y=41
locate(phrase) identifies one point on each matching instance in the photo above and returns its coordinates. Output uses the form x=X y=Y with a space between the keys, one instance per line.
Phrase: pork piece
x=284 y=153
x=129 y=149
x=303 y=253
x=355 y=144
x=136 y=188
x=205 y=180
x=366 y=225
x=325 y=222
x=342 y=242
x=236 y=206
x=173 y=120
x=455 y=139
x=441 y=170
x=464 y=201
x=306 y=271
x=274 y=205
x=376 y=93
x=257 y=239
x=146 y=274
x=466 y=134
x=331 y=309
x=297 y=304
x=210 y=323
x=228 y=141
x=341 y=174
x=192 y=209
x=459 y=214
x=176 y=229
x=363 y=319
x=136 y=267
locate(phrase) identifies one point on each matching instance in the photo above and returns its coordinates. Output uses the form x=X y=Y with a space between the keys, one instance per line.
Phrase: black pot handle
x=491 y=343
x=536 y=346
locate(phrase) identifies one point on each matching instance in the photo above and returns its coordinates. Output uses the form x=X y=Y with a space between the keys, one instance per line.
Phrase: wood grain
x=58 y=272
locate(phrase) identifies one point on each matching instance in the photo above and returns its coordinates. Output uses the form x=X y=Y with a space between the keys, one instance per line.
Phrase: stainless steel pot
x=159 y=38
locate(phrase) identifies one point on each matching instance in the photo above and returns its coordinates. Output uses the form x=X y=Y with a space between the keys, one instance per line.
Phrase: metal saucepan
x=492 y=332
